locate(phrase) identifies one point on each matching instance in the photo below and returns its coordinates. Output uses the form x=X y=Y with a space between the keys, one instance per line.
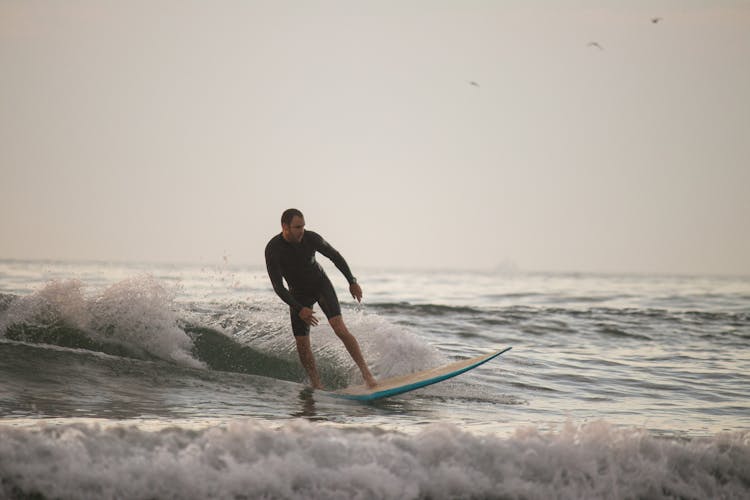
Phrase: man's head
x=292 y=225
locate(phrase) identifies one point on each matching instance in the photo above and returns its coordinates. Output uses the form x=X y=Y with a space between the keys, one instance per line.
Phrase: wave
x=613 y=331
x=246 y=459
x=509 y=314
x=222 y=353
x=139 y=318
x=424 y=309
x=136 y=315
x=135 y=318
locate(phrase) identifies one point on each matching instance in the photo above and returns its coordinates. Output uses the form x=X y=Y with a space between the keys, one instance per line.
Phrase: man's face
x=295 y=230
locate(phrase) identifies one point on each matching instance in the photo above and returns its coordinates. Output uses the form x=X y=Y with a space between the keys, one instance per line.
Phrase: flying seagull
x=655 y=19
x=595 y=45
x=473 y=83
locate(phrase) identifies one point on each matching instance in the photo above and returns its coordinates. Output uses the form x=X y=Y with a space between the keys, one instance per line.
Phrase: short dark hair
x=289 y=214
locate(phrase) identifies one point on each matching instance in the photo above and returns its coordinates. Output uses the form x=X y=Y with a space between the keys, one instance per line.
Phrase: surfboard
x=405 y=383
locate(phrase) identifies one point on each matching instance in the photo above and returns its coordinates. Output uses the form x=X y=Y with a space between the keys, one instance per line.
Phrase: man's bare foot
x=371 y=382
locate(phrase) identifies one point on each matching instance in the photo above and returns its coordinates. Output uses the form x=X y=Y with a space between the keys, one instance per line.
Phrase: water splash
x=136 y=314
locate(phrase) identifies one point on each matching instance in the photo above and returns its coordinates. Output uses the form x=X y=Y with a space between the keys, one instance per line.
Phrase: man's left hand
x=356 y=291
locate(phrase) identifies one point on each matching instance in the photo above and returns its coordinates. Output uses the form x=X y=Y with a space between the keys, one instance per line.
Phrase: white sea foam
x=56 y=300
x=302 y=460
x=389 y=349
x=137 y=312
x=394 y=349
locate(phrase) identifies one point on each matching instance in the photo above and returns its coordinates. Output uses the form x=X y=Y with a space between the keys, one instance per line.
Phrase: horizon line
x=497 y=270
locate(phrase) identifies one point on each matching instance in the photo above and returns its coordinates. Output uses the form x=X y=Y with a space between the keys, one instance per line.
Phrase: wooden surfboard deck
x=405 y=383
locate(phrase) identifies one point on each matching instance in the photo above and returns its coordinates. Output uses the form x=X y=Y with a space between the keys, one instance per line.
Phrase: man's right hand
x=308 y=316
x=356 y=291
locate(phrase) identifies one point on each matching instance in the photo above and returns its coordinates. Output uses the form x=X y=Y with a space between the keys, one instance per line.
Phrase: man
x=291 y=256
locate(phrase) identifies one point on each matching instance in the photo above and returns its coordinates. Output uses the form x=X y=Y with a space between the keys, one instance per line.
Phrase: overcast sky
x=180 y=130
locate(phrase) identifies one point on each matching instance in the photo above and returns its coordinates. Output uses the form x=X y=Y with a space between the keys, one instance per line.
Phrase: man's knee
x=337 y=323
x=336 y=320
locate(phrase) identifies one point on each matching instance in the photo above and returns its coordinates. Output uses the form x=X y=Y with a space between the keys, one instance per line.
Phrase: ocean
x=157 y=381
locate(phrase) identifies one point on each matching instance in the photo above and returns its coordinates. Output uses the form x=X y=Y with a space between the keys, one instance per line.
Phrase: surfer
x=291 y=256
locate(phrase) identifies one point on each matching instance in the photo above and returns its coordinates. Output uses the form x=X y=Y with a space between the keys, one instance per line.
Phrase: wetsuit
x=308 y=283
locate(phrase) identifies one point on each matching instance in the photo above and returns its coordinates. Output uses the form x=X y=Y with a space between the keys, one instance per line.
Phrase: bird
x=655 y=20
x=473 y=83
x=595 y=45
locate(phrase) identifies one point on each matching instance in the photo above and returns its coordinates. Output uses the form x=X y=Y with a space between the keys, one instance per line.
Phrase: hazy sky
x=180 y=130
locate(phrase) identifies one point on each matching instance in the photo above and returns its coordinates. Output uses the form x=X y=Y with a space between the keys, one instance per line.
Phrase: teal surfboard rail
x=394 y=391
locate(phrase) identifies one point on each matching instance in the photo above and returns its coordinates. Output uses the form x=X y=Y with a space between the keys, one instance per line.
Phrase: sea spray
x=140 y=311
x=392 y=349
x=57 y=302
x=136 y=315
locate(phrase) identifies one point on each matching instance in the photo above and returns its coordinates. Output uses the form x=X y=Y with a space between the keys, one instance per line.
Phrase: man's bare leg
x=308 y=360
x=351 y=344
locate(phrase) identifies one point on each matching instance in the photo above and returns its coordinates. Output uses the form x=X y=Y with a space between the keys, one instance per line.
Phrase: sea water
x=182 y=381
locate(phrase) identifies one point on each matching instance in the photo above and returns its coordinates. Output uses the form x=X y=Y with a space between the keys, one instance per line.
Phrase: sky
x=487 y=135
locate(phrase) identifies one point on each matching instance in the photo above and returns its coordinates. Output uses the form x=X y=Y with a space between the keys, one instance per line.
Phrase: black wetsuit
x=308 y=283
